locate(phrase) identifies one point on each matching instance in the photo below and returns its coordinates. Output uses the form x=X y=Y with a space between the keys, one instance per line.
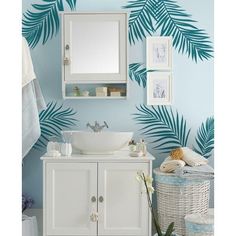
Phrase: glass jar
x=53 y=146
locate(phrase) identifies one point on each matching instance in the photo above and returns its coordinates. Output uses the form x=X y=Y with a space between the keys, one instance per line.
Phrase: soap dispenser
x=143 y=147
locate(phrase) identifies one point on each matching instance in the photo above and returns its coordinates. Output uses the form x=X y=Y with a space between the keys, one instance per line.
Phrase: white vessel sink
x=104 y=142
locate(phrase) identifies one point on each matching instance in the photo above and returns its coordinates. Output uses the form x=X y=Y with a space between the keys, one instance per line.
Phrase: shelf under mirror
x=95 y=91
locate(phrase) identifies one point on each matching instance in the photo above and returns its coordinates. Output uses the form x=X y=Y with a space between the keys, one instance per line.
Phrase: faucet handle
x=106 y=124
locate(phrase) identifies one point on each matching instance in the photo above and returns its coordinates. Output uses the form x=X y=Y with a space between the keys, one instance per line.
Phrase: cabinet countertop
x=122 y=155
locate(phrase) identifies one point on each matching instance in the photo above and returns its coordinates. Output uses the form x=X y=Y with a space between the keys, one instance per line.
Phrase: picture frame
x=159 y=88
x=159 y=53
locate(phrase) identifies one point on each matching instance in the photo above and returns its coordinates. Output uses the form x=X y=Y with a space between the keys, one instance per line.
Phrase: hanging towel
x=27 y=66
x=192 y=158
x=202 y=172
x=32 y=104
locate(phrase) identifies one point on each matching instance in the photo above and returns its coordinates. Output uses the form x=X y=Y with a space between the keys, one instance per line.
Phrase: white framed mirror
x=94 y=47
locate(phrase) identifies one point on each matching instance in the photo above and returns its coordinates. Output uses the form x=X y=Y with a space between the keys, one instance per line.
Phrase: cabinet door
x=123 y=209
x=68 y=192
x=100 y=58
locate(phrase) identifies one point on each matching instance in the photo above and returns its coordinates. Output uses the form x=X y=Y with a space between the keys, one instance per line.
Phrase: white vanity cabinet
x=92 y=195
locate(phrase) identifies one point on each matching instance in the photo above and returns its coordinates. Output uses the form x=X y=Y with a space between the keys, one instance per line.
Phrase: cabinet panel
x=124 y=209
x=100 y=58
x=68 y=192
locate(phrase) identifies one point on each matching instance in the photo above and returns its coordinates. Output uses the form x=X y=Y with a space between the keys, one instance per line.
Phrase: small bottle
x=143 y=147
x=139 y=146
x=76 y=91
x=132 y=146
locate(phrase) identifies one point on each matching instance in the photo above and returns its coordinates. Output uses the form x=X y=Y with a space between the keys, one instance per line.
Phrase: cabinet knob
x=101 y=199
x=93 y=199
x=94 y=217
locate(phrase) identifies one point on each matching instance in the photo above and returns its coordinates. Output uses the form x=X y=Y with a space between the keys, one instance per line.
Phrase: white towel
x=27 y=66
x=202 y=172
x=192 y=158
x=32 y=104
x=170 y=165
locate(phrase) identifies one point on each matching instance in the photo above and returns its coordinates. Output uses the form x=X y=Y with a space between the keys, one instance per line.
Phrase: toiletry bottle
x=132 y=146
x=143 y=147
x=76 y=91
x=139 y=146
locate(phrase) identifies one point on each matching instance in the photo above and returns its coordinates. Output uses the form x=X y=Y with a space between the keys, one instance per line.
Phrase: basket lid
x=203 y=219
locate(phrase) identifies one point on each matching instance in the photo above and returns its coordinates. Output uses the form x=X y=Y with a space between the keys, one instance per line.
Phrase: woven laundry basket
x=177 y=197
x=200 y=224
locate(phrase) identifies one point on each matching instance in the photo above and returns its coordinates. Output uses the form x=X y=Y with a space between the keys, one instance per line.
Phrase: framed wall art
x=159 y=53
x=159 y=88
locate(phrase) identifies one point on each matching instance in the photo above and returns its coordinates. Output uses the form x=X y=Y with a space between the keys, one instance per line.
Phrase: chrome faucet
x=96 y=127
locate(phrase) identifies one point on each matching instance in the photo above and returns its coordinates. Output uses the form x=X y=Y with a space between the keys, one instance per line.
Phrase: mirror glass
x=95 y=47
x=95 y=52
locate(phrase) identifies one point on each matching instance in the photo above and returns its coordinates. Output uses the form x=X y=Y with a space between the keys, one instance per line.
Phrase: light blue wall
x=192 y=87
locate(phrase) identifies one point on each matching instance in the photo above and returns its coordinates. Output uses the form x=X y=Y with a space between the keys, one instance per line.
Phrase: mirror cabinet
x=94 y=55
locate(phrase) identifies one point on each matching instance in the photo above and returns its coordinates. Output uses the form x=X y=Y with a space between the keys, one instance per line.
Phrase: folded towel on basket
x=170 y=165
x=204 y=171
x=192 y=158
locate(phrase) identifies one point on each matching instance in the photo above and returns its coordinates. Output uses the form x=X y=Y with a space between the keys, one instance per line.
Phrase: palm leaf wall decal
x=138 y=73
x=149 y=15
x=52 y=121
x=205 y=138
x=187 y=38
x=167 y=130
x=44 y=23
x=72 y=4
x=141 y=19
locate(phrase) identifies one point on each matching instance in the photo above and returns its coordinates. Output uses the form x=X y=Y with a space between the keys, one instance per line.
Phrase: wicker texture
x=177 y=197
